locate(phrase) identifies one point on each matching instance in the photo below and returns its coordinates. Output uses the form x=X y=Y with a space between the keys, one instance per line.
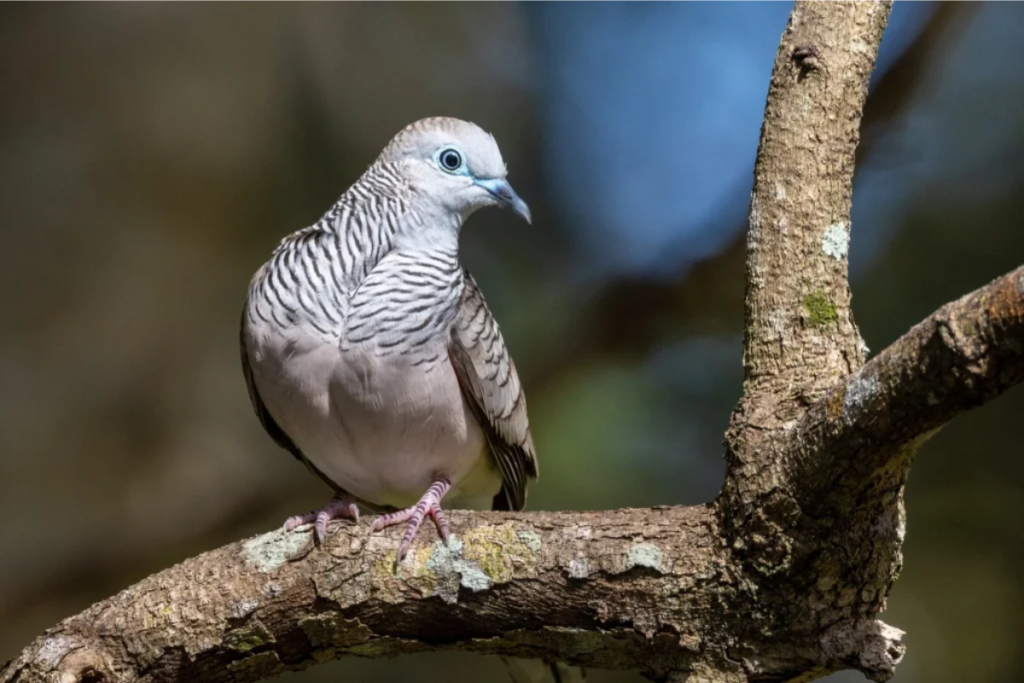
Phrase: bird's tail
x=539 y=671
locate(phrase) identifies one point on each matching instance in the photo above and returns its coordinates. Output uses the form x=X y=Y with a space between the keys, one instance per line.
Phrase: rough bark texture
x=781 y=578
x=830 y=573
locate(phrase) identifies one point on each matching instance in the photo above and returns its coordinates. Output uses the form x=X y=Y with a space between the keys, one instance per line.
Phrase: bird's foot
x=341 y=505
x=430 y=504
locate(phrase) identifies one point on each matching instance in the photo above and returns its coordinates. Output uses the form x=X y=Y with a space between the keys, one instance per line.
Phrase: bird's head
x=455 y=164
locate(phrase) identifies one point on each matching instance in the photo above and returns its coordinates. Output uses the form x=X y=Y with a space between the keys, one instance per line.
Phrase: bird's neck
x=433 y=233
x=382 y=212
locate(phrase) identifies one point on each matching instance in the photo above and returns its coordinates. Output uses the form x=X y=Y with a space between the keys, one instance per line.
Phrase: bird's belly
x=386 y=429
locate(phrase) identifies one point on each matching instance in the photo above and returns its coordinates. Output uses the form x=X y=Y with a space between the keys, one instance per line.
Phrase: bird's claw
x=429 y=505
x=341 y=506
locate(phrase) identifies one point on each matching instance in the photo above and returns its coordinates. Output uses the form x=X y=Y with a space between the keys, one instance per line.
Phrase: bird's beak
x=503 y=192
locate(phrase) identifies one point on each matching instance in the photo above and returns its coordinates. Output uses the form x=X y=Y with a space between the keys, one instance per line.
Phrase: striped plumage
x=369 y=352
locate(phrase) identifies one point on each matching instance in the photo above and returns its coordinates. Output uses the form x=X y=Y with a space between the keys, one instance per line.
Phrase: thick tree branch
x=782 y=578
x=544 y=584
x=963 y=355
x=799 y=339
x=799 y=333
x=651 y=590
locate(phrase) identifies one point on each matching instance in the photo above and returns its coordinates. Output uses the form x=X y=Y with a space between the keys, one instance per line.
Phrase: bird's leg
x=430 y=504
x=341 y=505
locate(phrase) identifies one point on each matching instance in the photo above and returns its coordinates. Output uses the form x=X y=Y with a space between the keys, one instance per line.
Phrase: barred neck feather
x=313 y=272
x=362 y=224
x=408 y=304
x=375 y=265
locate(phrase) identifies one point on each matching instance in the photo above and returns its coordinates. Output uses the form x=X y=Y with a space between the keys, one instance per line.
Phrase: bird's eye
x=450 y=160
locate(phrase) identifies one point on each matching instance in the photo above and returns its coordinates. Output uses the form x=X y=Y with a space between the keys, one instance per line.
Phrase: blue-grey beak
x=504 y=193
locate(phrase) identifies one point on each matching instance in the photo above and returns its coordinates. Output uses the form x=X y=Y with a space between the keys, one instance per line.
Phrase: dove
x=370 y=354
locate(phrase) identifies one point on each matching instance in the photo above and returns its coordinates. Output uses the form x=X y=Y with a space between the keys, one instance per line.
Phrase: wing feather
x=491 y=386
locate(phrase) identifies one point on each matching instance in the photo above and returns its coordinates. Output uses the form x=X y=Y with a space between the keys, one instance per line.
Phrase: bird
x=370 y=354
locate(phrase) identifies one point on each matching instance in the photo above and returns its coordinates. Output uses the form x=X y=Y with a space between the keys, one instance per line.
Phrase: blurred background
x=151 y=156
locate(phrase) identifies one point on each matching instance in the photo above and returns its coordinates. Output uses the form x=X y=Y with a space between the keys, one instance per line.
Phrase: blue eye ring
x=450 y=160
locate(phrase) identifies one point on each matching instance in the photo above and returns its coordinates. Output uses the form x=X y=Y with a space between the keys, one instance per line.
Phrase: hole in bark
x=92 y=675
x=808 y=59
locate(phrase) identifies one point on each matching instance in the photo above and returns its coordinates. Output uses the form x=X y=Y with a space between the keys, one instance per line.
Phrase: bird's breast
x=406 y=423
x=375 y=403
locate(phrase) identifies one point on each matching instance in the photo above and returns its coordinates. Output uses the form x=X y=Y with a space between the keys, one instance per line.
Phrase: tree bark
x=781 y=578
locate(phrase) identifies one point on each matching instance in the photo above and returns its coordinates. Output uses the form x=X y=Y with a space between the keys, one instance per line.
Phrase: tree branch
x=651 y=590
x=782 y=578
x=799 y=333
x=963 y=355
x=799 y=338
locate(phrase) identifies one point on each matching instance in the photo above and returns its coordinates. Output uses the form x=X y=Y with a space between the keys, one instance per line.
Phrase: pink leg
x=341 y=505
x=430 y=504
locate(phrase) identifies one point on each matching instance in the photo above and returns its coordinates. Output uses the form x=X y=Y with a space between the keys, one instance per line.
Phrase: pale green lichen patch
x=499 y=549
x=443 y=556
x=392 y=579
x=453 y=570
x=53 y=650
x=486 y=545
x=579 y=568
x=382 y=569
x=530 y=538
x=644 y=555
x=248 y=637
x=820 y=311
x=836 y=240
x=860 y=390
x=473 y=577
x=486 y=555
x=777 y=324
x=272 y=550
x=242 y=608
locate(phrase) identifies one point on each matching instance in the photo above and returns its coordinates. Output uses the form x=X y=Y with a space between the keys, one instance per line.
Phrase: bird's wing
x=266 y=419
x=491 y=386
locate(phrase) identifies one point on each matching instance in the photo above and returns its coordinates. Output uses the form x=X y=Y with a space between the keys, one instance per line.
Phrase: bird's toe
x=341 y=506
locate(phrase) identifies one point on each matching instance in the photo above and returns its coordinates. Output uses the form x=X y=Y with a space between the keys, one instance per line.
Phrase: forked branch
x=960 y=357
x=782 y=578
